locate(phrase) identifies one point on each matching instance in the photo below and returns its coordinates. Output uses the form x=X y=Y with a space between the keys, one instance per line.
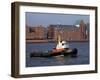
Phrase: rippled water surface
x=82 y=58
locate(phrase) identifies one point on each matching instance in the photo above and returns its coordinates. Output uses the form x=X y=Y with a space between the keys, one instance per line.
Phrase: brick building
x=82 y=28
x=36 y=32
x=68 y=32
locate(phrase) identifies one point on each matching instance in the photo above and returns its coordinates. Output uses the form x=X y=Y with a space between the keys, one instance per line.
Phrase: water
x=82 y=58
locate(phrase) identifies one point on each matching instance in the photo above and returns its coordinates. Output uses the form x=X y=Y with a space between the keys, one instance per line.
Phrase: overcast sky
x=45 y=19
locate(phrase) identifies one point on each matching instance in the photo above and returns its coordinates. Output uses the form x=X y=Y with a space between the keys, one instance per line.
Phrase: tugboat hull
x=71 y=52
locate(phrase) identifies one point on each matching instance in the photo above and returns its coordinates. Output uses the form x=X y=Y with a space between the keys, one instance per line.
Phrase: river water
x=82 y=58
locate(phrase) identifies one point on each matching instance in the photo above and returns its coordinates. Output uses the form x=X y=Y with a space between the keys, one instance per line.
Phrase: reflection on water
x=83 y=55
x=60 y=59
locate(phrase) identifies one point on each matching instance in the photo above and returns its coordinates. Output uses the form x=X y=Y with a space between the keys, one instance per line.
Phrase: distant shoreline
x=52 y=41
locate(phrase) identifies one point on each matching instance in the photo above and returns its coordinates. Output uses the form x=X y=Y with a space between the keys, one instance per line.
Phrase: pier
x=47 y=40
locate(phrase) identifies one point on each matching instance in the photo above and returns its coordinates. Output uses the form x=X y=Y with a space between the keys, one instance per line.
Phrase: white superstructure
x=61 y=44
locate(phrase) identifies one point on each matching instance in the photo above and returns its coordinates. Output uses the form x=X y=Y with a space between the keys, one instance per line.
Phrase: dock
x=46 y=41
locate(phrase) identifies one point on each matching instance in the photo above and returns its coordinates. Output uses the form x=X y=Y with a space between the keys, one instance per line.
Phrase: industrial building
x=36 y=32
x=67 y=32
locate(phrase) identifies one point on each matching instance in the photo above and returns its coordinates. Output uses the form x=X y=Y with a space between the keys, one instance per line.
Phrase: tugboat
x=62 y=48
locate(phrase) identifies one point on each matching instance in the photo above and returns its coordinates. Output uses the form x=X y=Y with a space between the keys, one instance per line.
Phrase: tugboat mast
x=59 y=38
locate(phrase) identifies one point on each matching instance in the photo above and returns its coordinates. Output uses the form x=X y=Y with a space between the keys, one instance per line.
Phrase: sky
x=45 y=19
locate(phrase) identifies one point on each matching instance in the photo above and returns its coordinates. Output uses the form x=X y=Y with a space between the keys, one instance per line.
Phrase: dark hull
x=72 y=52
